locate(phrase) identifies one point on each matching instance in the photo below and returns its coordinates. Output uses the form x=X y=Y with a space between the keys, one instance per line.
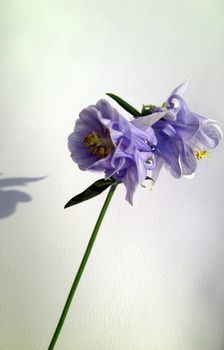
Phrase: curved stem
x=81 y=267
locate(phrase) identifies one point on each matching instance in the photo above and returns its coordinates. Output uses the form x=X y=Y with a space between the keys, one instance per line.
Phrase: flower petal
x=168 y=130
x=188 y=160
x=156 y=170
x=208 y=136
x=89 y=118
x=144 y=123
x=181 y=89
x=169 y=151
x=130 y=181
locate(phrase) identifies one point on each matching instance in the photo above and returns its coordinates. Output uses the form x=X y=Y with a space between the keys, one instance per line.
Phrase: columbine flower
x=103 y=140
x=183 y=136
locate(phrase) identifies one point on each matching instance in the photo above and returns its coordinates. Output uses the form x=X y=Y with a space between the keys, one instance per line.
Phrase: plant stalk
x=82 y=267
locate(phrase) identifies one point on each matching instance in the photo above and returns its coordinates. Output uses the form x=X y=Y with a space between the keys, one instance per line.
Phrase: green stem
x=81 y=267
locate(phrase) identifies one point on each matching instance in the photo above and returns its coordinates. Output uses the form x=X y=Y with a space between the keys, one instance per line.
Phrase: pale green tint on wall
x=155 y=278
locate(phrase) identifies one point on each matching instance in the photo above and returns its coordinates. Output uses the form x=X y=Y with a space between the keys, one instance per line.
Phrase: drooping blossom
x=103 y=140
x=184 y=137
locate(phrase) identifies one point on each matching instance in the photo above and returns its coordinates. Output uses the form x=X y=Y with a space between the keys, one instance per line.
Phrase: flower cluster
x=103 y=140
x=127 y=151
x=183 y=137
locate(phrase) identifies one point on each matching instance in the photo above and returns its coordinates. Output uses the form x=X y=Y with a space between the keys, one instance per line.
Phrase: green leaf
x=133 y=111
x=96 y=188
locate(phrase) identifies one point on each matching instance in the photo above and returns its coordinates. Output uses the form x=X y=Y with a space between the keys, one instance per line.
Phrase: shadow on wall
x=9 y=199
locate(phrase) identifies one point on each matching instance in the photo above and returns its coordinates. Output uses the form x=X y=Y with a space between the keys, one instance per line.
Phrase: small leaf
x=96 y=188
x=133 y=111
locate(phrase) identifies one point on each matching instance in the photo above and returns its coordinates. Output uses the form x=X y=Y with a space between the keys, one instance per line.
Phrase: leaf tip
x=67 y=205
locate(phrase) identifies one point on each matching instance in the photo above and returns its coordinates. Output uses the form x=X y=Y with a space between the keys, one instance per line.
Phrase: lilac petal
x=128 y=142
x=144 y=138
x=144 y=123
x=120 y=128
x=146 y=156
x=180 y=133
x=119 y=161
x=79 y=133
x=115 y=170
x=140 y=159
x=115 y=135
x=130 y=181
x=181 y=89
x=156 y=170
x=100 y=164
x=107 y=110
x=208 y=136
x=135 y=175
x=79 y=153
x=183 y=130
x=169 y=151
x=89 y=117
x=187 y=130
x=178 y=107
x=119 y=153
x=188 y=160
x=168 y=130
x=170 y=115
x=84 y=163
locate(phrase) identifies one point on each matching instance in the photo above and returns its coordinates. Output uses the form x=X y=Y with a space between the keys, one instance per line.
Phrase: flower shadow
x=10 y=198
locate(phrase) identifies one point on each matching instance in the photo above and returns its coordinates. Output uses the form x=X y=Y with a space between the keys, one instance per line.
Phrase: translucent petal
x=181 y=89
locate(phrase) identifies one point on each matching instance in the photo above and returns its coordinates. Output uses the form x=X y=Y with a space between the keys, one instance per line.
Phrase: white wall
x=155 y=277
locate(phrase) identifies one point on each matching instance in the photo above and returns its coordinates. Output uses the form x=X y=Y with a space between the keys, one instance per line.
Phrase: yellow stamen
x=202 y=154
x=92 y=139
x=99 y=145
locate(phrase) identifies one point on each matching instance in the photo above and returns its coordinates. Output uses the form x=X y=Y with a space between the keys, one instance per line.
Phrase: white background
x=154 y=280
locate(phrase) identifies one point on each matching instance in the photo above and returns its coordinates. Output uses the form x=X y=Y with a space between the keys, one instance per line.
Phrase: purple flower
x=103 y=140
x=183 y=136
